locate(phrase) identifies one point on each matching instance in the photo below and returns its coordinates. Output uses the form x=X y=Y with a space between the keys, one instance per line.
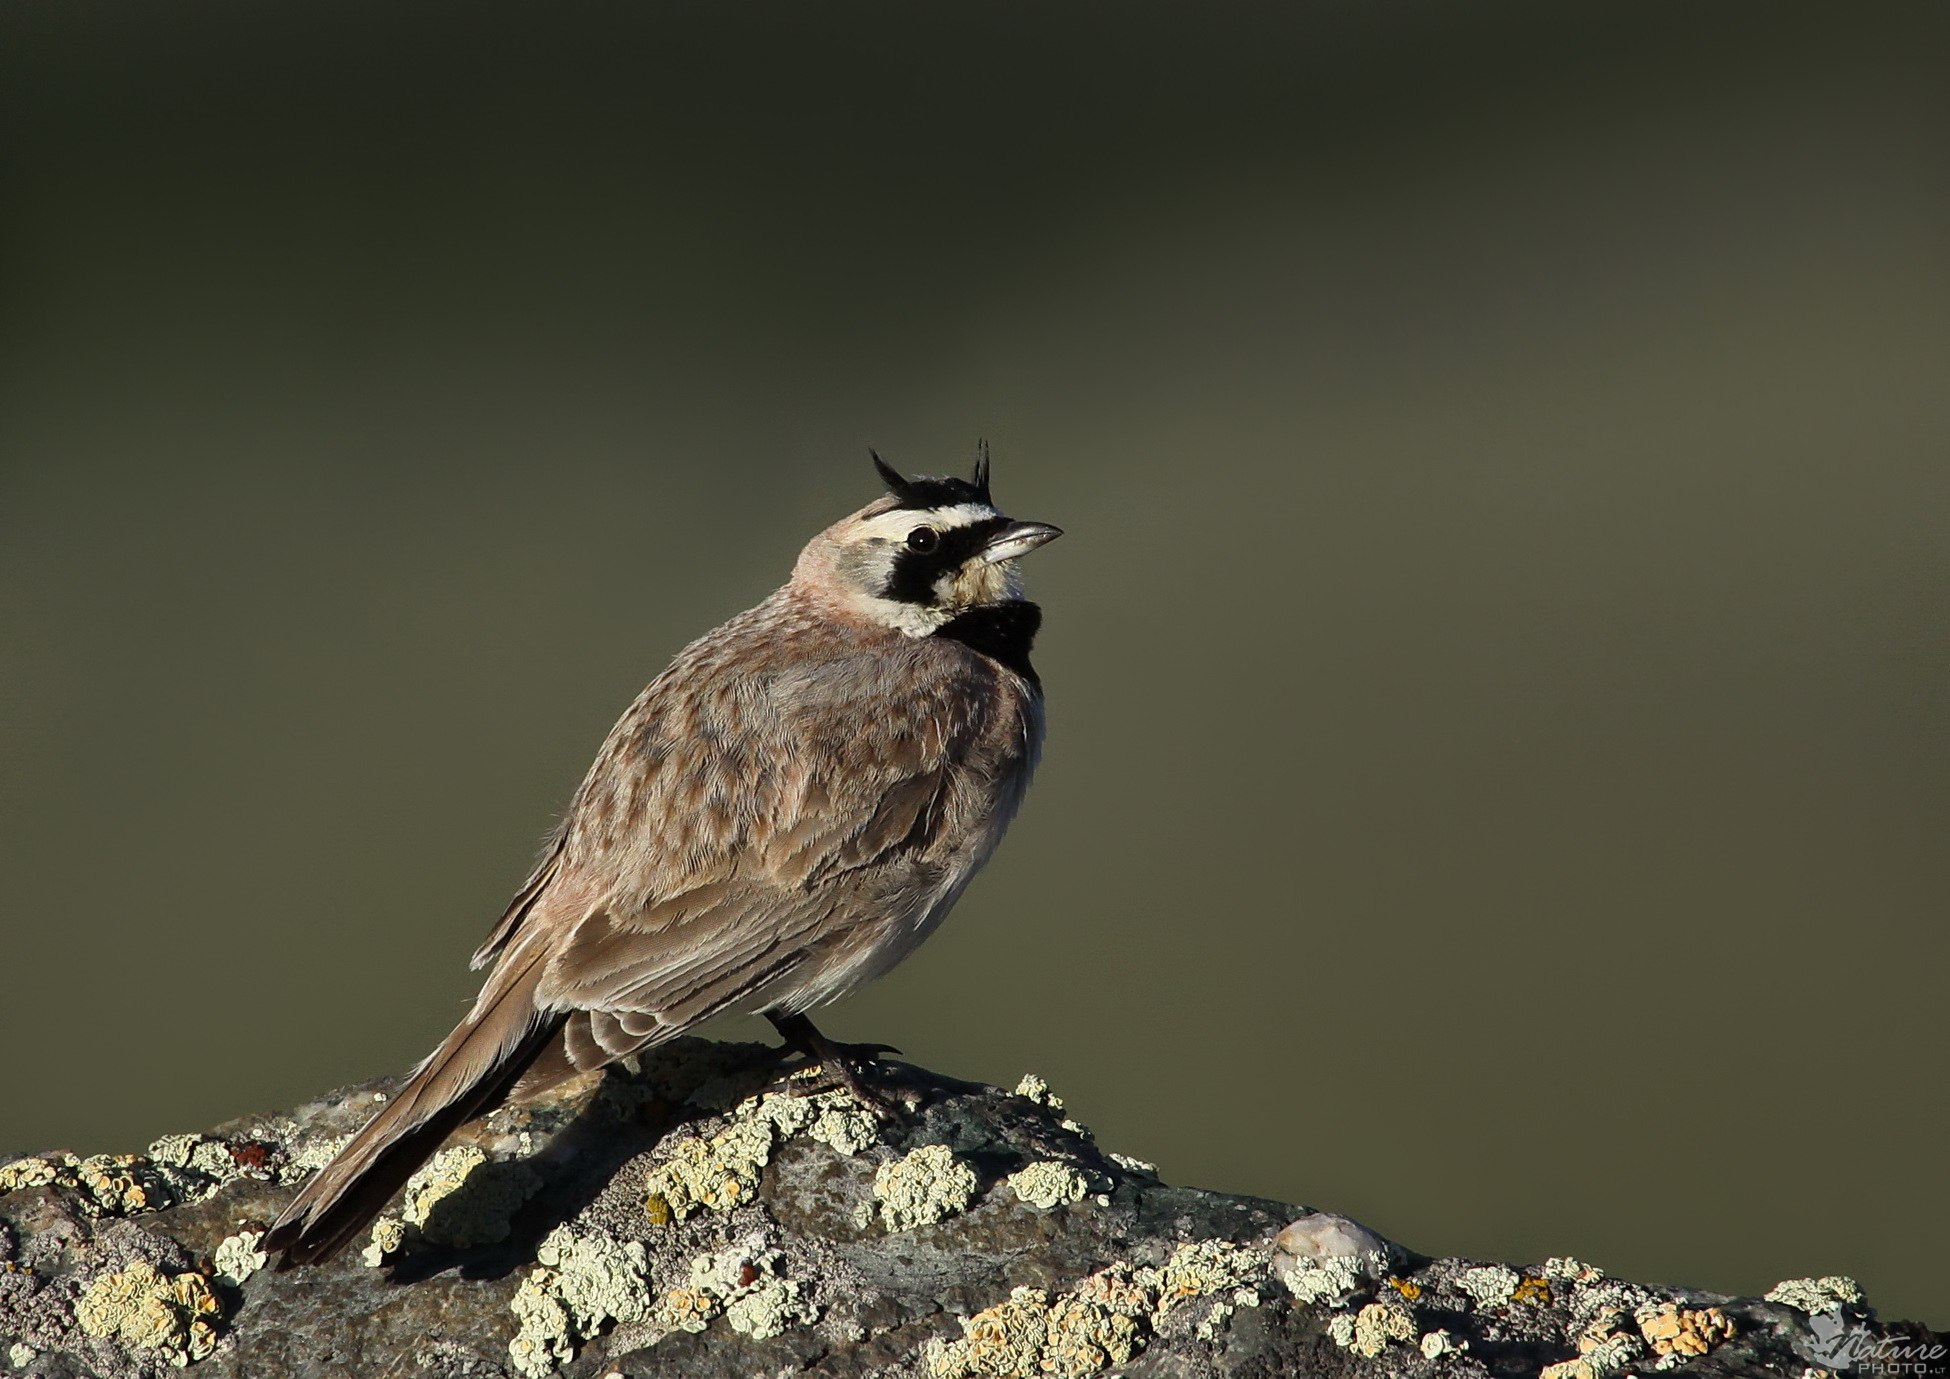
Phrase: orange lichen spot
x=1672 y=1330
x=1532 y=1290
x=1408 y=1288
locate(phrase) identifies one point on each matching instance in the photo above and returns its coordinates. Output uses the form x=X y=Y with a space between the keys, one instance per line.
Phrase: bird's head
x=928 y=551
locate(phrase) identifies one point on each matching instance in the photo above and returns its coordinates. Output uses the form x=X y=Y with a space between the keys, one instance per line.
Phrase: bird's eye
x=923 y=539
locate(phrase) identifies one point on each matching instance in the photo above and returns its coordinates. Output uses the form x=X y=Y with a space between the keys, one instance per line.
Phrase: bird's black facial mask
x=929 y=553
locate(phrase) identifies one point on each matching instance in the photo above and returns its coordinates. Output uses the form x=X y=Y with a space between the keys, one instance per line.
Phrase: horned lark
x=783 y=814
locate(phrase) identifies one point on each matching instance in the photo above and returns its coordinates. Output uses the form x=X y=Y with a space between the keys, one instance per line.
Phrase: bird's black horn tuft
x=895 y=483
x=981 y=476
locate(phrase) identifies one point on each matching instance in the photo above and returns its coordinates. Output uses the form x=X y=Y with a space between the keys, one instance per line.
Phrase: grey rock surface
x=692 y=1218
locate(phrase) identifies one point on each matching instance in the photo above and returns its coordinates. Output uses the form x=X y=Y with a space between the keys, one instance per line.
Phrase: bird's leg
x=839 y=1064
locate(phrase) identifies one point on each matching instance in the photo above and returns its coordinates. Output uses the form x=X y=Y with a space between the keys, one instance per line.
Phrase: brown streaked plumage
x=783 y=814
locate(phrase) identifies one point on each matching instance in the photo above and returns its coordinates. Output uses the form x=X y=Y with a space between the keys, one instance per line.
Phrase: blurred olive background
x=1497 y=774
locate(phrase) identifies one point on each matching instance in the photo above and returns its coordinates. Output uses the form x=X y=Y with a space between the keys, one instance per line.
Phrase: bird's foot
x=832 y=1067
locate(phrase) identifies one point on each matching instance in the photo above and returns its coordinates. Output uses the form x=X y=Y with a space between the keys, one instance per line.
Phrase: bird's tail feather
x=467 y=1076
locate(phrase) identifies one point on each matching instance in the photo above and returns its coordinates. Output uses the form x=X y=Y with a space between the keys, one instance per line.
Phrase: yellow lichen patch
x=1104 y=1320
x=1408 y=1288
x=22 y=1174
x=722 y=1172
x=463 y=1199
x=715 y=1174
x=686 y=1309
x=1086 y=1335
x=1608 y=1345
x=1049 y=1183
x=145 y=1310
x=1200 y=1269
x=111 y=1182
x=1034 y=1088
x=1811 y=1295
x=743 y=1283
x=1008 y=1338
x=238 y=1257
x=544 y=1338
x=388 y=1237
x=1673 y=1330
x=1532 y=1290
x=583 y=1283
x=1099 y=1323
x=1373 y=1329
x=923 y=1187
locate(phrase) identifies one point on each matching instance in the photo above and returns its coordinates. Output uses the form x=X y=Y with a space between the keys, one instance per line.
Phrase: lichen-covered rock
x=1816 y=1295
x=714 y=1174
x=585 y=1282
x=697 y=1218
x=1324 y=1258
x=1049 y=1183
x=923 y=1187
x=238 y=1257
x=171 y=1317
x=1672 y=1330
x=1490 y=1285
x=1373 y=1329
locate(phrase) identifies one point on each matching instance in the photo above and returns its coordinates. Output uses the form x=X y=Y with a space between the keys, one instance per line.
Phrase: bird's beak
x=1019 y=538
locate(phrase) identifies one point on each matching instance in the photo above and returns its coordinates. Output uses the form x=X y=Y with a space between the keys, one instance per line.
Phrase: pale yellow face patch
x=980 y=582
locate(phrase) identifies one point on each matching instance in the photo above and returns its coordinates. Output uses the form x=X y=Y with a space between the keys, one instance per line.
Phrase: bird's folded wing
x=742 y=924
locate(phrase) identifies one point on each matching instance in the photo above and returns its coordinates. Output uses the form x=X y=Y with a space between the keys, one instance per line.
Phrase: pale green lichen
x=1608 y=1345
x=544 y=1339
x=1049 y=1183
x=1200 y=1269
x=1567 y=1269
x=22 y=1174
x=743 y=1284
x=238 y=1257
x=1594 y=1302
x=1817 y=1295
x=198 y=1153
x=173 y=1318
x=923 y=1187
x=1436 y=1344
x=1373 y=1329
x=20 y=1355
x=106 y=1184
x=1006 y=1340
x=463 y=1199
x=1142 y=1167
x=721 y=1171
x=306 y=1159
x=769 y=1306
x=1033 y=1088
x=599 y=1278
x=1102 y=1322
x=120 y=1185
x=846 y=1128
x=1095 y=1325
x=1490 y=1285
x=714 y=1174
x=177 y=1169
x=1213 y=1323
x=583 y=1283
x=1327 y=1259
x=388 y=1238
x=1330 y=1281
x=196 y=1167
